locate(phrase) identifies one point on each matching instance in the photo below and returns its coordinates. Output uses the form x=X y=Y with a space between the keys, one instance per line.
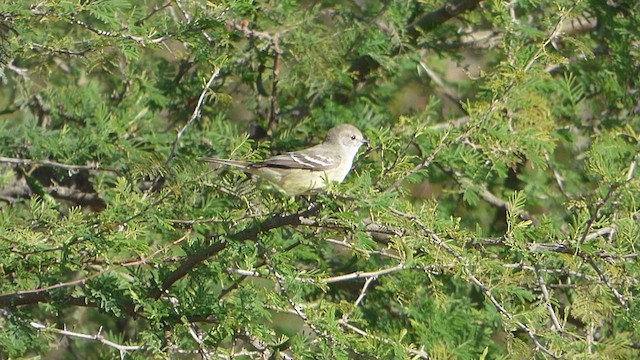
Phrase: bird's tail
x=234 y=163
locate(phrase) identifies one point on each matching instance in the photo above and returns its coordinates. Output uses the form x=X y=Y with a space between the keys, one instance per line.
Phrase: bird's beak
x=365 y=141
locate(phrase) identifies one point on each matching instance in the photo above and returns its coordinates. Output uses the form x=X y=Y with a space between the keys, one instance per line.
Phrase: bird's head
x=346 y=136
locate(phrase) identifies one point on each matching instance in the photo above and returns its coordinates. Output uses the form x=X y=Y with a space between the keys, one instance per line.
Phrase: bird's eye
x=353 y=137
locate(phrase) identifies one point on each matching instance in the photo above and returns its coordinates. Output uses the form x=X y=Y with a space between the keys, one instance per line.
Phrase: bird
x=310 y=169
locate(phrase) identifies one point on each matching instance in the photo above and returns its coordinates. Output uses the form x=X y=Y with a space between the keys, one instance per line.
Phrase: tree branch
x=250 y=233
x=446 y=12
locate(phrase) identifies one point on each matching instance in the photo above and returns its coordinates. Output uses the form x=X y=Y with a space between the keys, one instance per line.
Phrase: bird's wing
x=314 y=159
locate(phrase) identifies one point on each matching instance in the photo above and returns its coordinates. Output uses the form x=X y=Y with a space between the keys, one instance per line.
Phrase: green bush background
x=496 y=215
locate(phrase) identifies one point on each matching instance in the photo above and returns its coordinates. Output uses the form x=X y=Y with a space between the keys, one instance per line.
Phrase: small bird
x=309 y=169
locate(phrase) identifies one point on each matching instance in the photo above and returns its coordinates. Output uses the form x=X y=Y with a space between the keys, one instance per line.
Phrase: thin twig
x=419 y=354
x=298 y=309
x=274 y=45
x=262 y=347
x=22 y=72
x=450 y=93
x=363 y=291
x=20 y=161
x=139 y=39
x=547 y=302
x=217 y=220
x=67 y=52
x=193 y=330
x=154 y=11
x=194 y=116
x=153 y=254
x=387 y=170
x=123 y=349
x=443 y=143
x=455 y=123
x=556 y=174
x=274 y=110
x=596 y=213
x=187 y=17
x=361 y=251
x=487 y=195
x=554 y=34
x=604 y=279
x=590 y=337
x=632 y=167
x=522 y=266
x=362 y=274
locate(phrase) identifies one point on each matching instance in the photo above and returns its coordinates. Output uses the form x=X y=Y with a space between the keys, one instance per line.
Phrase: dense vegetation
x=495 y=216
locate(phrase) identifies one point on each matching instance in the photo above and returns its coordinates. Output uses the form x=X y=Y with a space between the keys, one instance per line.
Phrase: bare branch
x=139 y=39
x=274 y=110
x=556 y=174
x=274 y=44
x=147 y=258
x=22 y=72
x=455 y=123
x=19 y=161
x=487 y=195
x=363 y=275
x=363 y=291
x=123 y=349
x=76 y=196
x=68 y=52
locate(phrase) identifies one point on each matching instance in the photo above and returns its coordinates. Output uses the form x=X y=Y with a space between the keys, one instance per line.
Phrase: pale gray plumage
x=309 y=169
